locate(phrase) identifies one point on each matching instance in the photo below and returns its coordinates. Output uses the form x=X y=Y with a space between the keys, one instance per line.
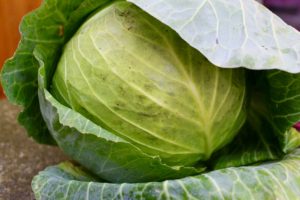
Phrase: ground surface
x=20 y=157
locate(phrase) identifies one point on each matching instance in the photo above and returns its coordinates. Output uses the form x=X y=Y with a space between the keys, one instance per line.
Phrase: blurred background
x=12 y=11
x=288 y=10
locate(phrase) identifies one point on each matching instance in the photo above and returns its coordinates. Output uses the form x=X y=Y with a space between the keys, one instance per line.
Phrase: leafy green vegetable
x=178 y=106
x=138 y=95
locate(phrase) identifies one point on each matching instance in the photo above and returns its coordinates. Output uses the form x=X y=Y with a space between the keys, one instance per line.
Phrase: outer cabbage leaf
x=275 y=180
x=284 y=106
x=273 y=109
x=231 y=33
x=255 y=143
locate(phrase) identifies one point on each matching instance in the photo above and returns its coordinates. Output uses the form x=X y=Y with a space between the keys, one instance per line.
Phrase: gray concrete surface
x=20 y=157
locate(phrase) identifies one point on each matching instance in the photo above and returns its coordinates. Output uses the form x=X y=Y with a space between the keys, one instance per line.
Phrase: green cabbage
x=177 y=106
x=160 y=99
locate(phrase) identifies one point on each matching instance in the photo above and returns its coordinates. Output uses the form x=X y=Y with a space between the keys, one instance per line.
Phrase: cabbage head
x=137 y=78
x=160 y=99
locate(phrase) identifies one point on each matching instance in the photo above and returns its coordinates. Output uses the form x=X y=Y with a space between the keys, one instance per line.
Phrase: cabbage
x=178 y=106
x=160 y=99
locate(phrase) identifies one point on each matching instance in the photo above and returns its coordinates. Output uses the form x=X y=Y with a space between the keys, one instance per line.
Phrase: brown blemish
x=61 y=30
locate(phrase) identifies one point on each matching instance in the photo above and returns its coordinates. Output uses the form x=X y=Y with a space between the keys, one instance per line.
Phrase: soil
x=20 y=157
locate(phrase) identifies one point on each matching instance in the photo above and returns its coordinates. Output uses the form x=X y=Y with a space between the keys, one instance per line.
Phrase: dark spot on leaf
x=144 y=114
x=122 y=13
x=266 y=48
x=61 y=30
